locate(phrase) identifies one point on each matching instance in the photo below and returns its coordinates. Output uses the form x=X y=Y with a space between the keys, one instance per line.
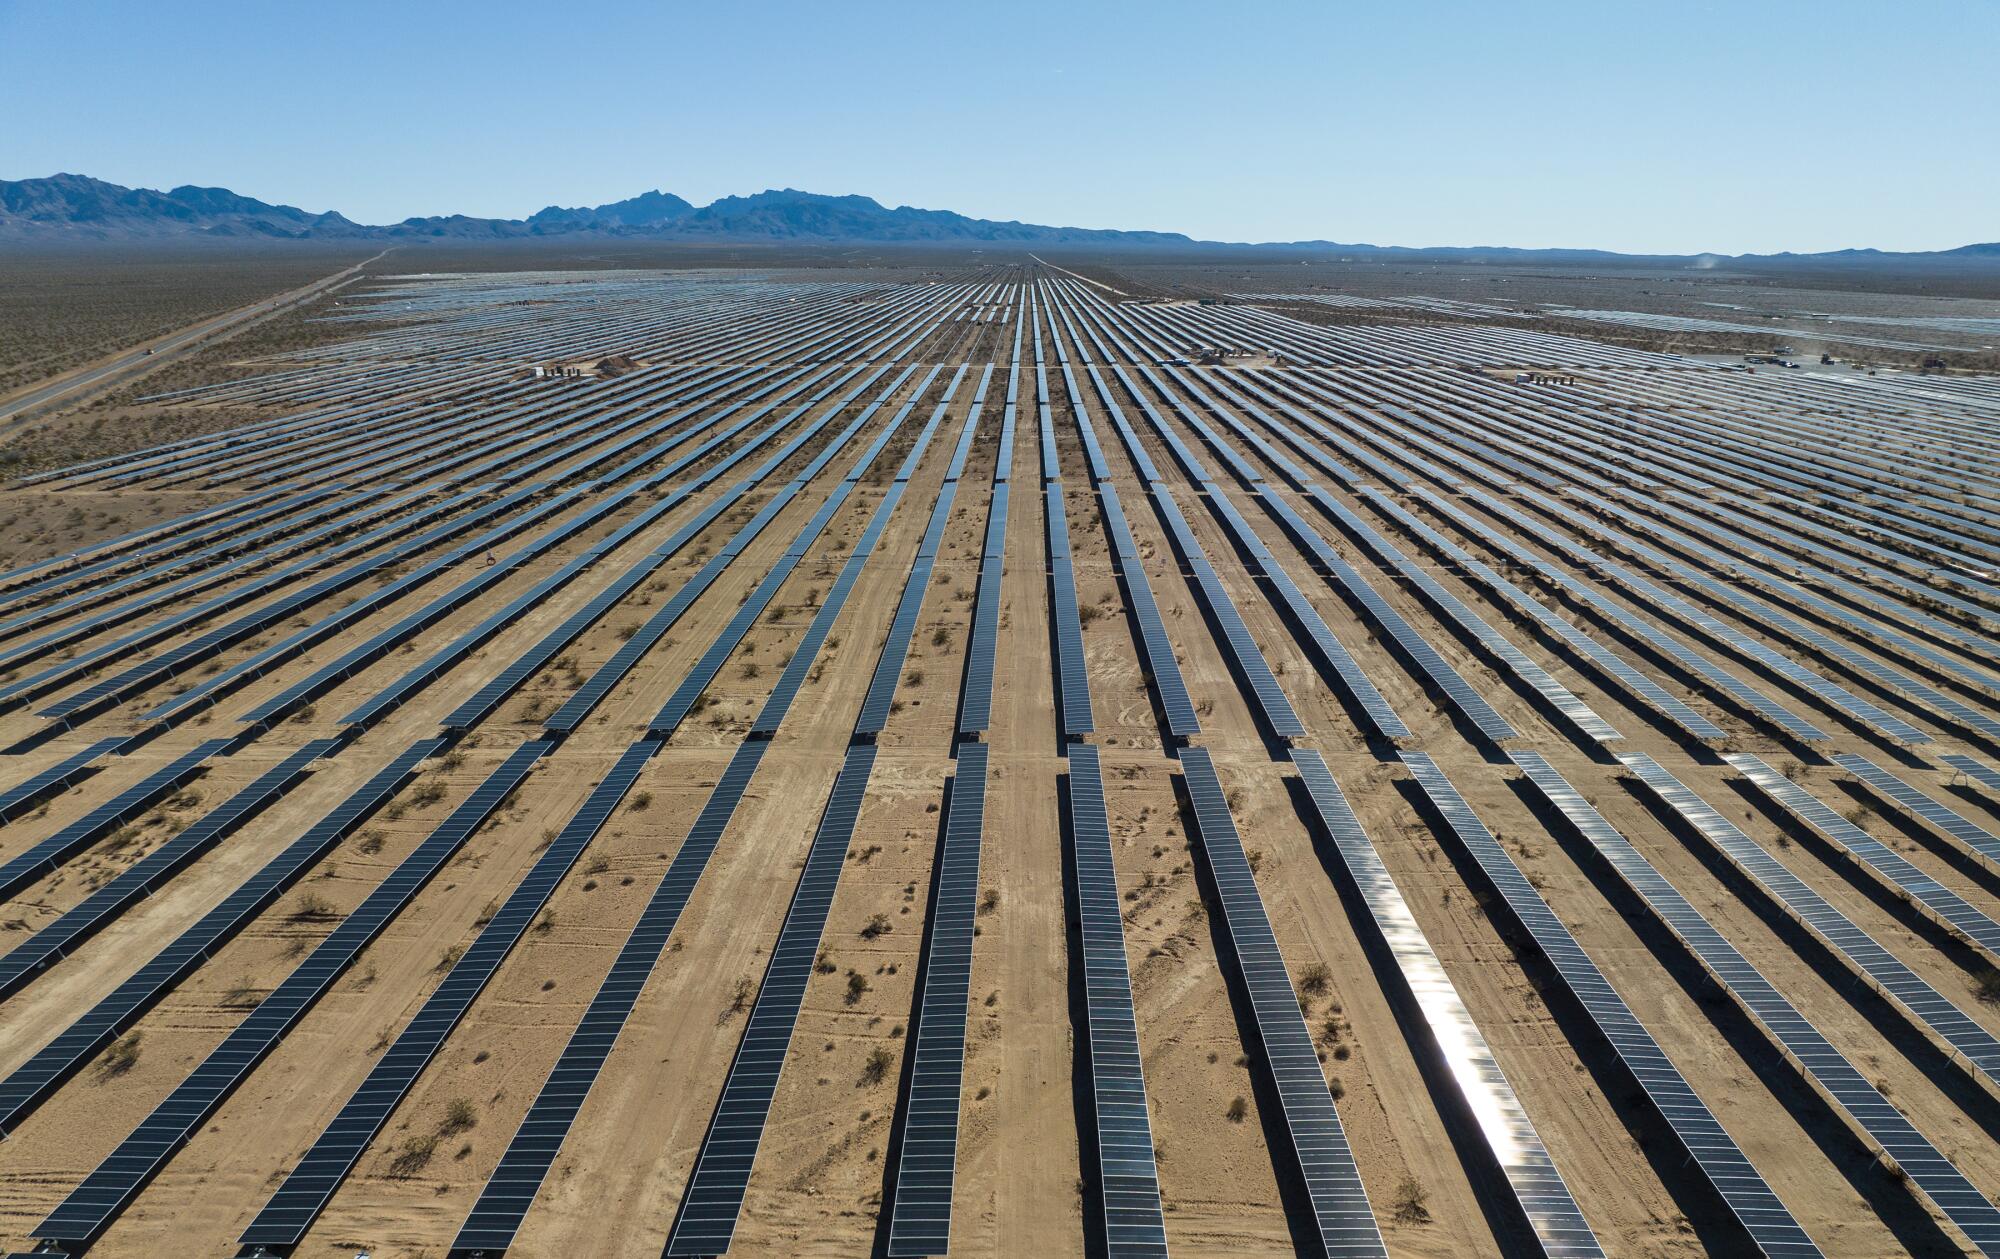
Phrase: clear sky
x=1669 y=127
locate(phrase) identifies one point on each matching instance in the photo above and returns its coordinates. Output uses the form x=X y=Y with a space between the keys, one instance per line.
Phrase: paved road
x=79 y=385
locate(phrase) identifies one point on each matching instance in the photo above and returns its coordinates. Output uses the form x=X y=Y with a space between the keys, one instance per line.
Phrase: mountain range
x=76 y=208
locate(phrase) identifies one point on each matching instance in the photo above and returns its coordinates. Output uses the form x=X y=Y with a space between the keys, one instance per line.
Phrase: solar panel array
x=1836 y=536
x=1925 y=1005
x=40 y=859
x=1128 y=1175
x=1930 y=1171
x=875 y=707
x=1342 y=1218
x=28 y=1084
x=1940 y=901
x=504 y=1201
x=1975 y=837
x=31 y=791
x=920 y=1213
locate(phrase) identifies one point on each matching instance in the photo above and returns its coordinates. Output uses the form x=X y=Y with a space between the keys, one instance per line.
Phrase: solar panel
x=290 y=1211
x=976 y=696
x=43 y=857
x=1341 y=1215
x=1266 y=696
x=1129 y=1188
x=24 y=796
x=103 y=1194
x=708 y=1213
x=1924 y=1005
x=875 y=706
x=1722 y=1162
x=28 y=958
x=1161 y=665
x=1943 y=904
x=1538 y=1188
x=1072 y=673
x=920 y=1214
x=1985 y=775
x=510 y=1191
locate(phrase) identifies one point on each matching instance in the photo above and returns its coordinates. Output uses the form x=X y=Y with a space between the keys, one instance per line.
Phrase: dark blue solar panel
x=1129 y=1190
x=976 y=697
x=24 y=796
x=1072 y=673
x=1161 y=666
x=920 y=1217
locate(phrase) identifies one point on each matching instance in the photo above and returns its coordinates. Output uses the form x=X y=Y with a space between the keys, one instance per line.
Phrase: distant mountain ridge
x=76 y=208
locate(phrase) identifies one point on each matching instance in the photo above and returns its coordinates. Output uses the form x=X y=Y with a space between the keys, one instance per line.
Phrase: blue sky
x=1664 y=127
